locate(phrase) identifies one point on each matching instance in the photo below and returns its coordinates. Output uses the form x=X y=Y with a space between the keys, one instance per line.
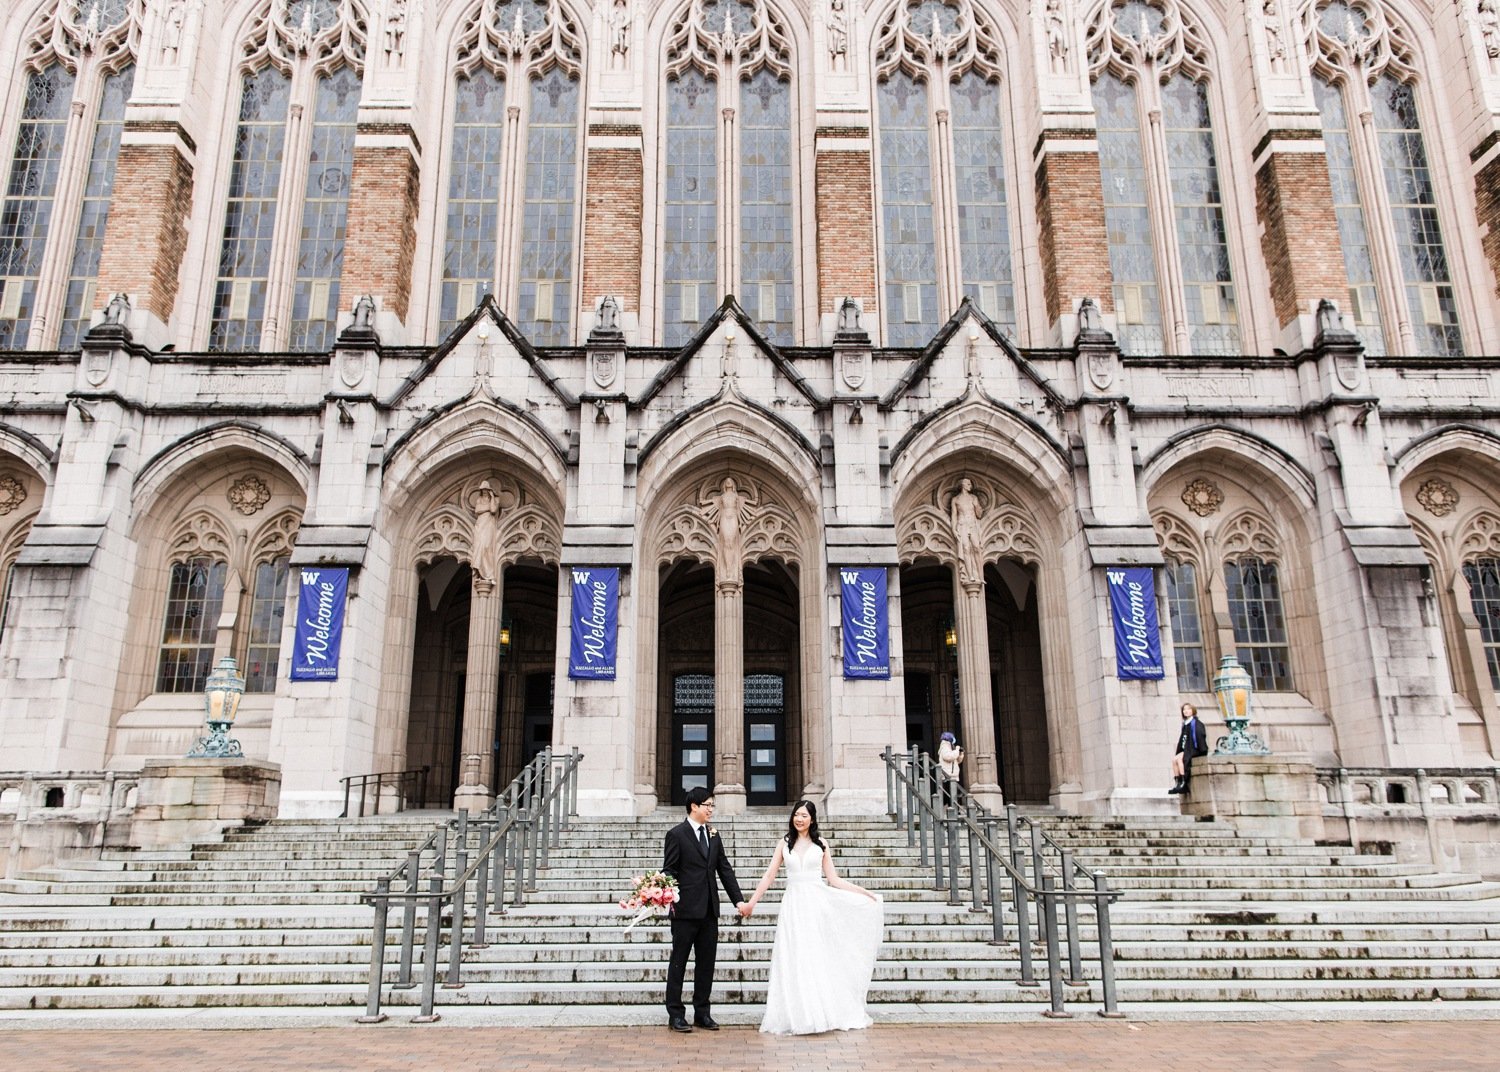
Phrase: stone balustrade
x=46 y=816
x=1454 y=813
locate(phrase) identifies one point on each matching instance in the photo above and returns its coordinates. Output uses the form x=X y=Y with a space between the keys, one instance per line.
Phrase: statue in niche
x=1275 y=44
x=395 y=32
x=609 y=315
x=619 y=35
x=728 y=510
x=364 y=313
x=838 y=35
x=1487 y=15
x=965 y=513
x=172 y=20
x=1057 y=38
x=117 y=311
x=484 y=556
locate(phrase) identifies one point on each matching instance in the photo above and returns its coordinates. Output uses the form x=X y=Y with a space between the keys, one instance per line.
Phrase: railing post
x=951 y=821
x=973 y=829
x=1038 y=865
x=409 y=921
x=482 y=887
x=890 y=781
x=1023 y=918
x=364 y=784
x=1106 y=946
x=460 y=886
x=992 y=877
x=939 y=838
x=430 y=950
x=1054 y=967
x=573 y=783
x=1070 y=915
x=345 y=813
x=382 y=902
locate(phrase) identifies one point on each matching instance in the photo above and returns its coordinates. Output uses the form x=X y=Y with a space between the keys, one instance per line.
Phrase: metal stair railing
x=498 y=853
x=409 y=785
x=940 y=817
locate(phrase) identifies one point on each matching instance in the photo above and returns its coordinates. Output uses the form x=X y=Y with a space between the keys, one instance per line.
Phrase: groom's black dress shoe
x=708 y=1023
x=677 y=1023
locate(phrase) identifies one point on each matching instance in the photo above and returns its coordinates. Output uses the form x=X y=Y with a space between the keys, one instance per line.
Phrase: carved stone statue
x=1057 y=38
x=1089 y=318
x=395 y=32
x=727 y=511
x=619 y=35
x=838 y=35
x=364 y=313
x=172 y=20
x=1487 y=15
x=608 y=320
x=965 y=513
x=849 y=322
x=118 y=309
x=1330 y=320
x=484 y=557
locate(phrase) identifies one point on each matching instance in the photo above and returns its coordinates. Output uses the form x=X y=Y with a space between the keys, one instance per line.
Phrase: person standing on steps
x=1192 y=742
x=950 y=755
x=694 y=855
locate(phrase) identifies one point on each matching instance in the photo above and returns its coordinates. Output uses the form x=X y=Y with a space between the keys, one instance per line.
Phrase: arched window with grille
x=1187 y=625
x=195 y=599
x=1483 y=575
x=728 y=169
x=79 y=64
x=1253 y=587
x=1169 y=250
x=944 y=214
x=1401 y=295
x=511 y=225
x=276 y=284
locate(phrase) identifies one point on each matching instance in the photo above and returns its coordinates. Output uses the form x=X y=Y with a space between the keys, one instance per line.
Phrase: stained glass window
x=1483 y=575
x=26 y=213
x=690 y=246
x=239 y=308
x=1359 y=265
x=1255 y=612
x=1203 y=248
x=1187 y=626
x=470 y=244
x=911 y=299
x=978 y=164
x=195 y=598
x=267 y=612
x=325 y=213
x=765 y=204
x=547 y=231
x=1127 y=217
x=1414 y=216
x=94 y=210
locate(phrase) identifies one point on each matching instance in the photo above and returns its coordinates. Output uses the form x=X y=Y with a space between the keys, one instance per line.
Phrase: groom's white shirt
x=697 y=826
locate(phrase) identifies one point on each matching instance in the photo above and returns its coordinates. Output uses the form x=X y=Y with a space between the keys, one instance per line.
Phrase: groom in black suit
x=694 y=855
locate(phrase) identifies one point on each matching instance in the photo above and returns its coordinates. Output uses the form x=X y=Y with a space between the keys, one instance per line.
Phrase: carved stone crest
x=352 y=368
x=96 y=365
x=248 y=494
x=606 y=365
x=1101 y=370
x=1202 y=497
x=12 y=494
x=1438 y=497
x=852 y=369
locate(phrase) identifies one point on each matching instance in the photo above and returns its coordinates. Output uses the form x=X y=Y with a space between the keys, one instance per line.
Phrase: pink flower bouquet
x=653 y=895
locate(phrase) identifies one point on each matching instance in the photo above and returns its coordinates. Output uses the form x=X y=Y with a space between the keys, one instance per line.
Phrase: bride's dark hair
x=812 y=828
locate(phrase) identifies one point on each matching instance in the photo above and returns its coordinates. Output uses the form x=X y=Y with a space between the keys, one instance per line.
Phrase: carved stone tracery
x=1347 y=36
x=1129 y=36
x=730 y=38
x=1001 y=528
x=512 y=38
x=728 y=523
x=107 y=32
x=1248 y=535
x=519 y=527
x=200 y=533
x=938 y=38
x=329 y=33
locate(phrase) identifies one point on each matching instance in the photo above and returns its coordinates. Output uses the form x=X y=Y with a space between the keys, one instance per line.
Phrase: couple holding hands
x=827 y=931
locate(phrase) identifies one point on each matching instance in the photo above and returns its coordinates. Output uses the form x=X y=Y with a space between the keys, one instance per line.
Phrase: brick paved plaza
x=1453 y=1046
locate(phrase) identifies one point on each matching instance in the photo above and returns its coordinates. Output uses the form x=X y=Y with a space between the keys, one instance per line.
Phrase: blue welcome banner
x=1132 y=606
x=320 y=624
x=867 y=638
x=596 y=621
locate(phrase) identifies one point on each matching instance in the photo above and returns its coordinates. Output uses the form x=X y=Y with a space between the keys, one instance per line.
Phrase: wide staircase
x=1207 y=923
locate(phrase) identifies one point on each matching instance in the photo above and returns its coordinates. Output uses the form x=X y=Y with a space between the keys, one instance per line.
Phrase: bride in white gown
x=826 y=937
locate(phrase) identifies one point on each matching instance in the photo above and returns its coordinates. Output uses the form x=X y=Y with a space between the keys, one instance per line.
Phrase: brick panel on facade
x=382 y=228
x=612 y=226
x=1073 y=242
x=146 y=235
x=1487 y=186
x=846 y=230
x=1300 y=232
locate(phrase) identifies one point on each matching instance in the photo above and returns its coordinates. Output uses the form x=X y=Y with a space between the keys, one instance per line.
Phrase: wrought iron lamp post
x=221 y=702
x=1234 y=690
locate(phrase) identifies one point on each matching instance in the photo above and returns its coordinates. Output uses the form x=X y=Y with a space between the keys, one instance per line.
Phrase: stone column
x=729 y=695
x=977 y=709
x=475 y=789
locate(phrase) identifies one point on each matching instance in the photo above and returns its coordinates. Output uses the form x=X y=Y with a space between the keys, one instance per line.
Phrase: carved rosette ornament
x=1202 y=497
x=1438 y=497
x=248 y=494
x=12 y=494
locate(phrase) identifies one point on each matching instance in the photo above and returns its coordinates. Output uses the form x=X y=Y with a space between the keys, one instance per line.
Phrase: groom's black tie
x=703 y=840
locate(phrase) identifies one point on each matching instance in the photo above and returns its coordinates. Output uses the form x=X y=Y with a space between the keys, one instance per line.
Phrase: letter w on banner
x=1132 y=608
x=596 y=620
x=320 y=624
x=867 y=640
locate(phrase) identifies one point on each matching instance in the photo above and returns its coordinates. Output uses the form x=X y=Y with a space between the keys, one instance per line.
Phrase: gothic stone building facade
x=196 y=399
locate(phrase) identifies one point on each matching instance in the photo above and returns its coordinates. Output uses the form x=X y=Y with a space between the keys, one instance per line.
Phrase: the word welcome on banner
x=1132 y=605
x=867 y=639
x=321 y=597
x=596 y=621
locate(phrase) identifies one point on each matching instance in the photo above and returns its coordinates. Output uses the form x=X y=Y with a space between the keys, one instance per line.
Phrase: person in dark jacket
x=1192 y=742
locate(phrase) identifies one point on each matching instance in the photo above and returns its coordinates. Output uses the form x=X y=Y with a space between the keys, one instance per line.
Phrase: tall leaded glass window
x=276 y=284
x=29 y=199
x=1187 y=626
x=511 y=225
x=1483 y=575
x=267 y=613
x=944 y=217
x=690 y=233
x=727 y=168
x=1400 y=282
x=1255 y=613
x=195 y=598
x=1158 y=162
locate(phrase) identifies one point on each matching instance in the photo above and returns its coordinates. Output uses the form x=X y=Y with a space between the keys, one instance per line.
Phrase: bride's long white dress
x=824 y=952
